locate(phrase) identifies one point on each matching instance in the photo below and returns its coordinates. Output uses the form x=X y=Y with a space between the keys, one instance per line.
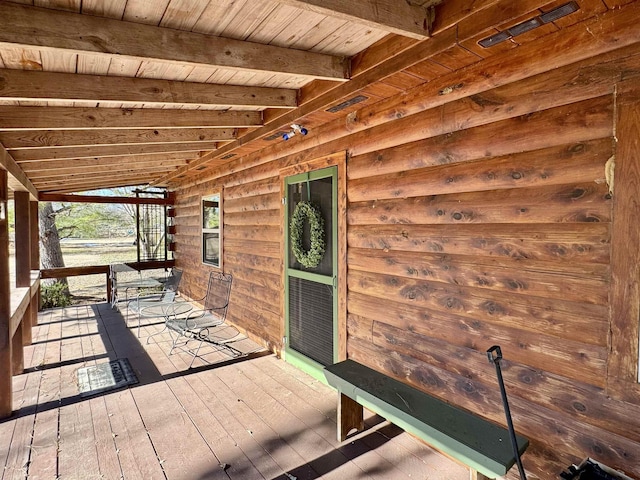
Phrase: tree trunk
x=50 y=251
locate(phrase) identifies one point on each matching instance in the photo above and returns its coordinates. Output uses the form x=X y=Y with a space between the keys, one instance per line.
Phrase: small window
x=212 y=229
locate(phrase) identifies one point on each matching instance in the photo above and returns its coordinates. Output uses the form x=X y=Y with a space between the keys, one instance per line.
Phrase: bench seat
x=478 y=443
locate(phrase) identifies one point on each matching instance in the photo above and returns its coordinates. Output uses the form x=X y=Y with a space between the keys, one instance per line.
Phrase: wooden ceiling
x=97 y=94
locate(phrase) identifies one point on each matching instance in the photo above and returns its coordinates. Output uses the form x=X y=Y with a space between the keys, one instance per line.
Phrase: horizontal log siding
x=496 y=234
x=472 y=220
x=251 y=249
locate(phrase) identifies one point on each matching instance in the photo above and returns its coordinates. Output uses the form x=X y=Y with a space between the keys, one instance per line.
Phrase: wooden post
x=6 y=389
x=350 y=417
x=17 y=352
x=35 y=235
x=473 y=475
x=23 y=239
x=23 y=273
x=35 y=257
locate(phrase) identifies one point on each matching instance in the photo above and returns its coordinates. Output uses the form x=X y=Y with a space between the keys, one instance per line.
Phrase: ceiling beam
x=26 y=85
x=70 y=118
x=52 y=197
x=82 y=182
x=161 y=149
x=51 y=165
x=18 y=180
x=34 y=139
x=390 y=15
x=101 y=170
x=22 y=26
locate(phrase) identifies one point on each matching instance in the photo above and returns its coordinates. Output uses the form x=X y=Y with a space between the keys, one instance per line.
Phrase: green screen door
x=311 y=277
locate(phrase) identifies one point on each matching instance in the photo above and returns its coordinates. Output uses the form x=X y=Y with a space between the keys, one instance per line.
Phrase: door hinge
x=284 y=340
x=284 y=200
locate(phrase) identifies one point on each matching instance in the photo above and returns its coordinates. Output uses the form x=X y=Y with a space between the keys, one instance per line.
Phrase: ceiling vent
x=528 y=25
x=347 y=103
x=273 y=136
x=228 y=155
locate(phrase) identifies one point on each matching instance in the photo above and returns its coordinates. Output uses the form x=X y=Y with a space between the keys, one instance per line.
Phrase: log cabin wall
x=473 y=220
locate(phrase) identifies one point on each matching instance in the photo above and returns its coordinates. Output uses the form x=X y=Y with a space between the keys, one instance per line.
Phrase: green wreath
x=309 y=258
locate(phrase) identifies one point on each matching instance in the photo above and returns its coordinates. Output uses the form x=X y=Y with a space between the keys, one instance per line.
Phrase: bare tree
x=50 y=251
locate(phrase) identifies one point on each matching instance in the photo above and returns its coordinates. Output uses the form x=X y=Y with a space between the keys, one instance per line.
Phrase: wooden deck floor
x=252 y=418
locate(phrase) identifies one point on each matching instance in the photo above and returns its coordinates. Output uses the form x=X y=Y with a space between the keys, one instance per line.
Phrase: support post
x=473 y=475
x=350 y=417
x=6 y=371
x=23 y=272
x=17 y=352
x=35 y=257
x=23 y=239
x=35 y=235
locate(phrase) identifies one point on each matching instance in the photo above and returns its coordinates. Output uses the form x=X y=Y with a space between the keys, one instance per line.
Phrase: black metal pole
x=512 y=432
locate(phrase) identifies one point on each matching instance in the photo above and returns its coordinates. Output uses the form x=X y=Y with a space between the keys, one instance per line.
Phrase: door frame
x=335 y=160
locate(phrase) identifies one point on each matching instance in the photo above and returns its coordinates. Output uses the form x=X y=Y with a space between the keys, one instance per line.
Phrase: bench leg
x=477 y=476
x=350 y=417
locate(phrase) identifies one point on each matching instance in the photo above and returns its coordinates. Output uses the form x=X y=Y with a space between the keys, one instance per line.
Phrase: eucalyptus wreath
x=309 y=258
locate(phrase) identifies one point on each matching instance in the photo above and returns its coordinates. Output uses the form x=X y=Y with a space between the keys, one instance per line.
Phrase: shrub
x=55 y=295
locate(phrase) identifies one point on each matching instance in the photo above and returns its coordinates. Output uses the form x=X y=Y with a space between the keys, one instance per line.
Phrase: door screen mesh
x=311 y=319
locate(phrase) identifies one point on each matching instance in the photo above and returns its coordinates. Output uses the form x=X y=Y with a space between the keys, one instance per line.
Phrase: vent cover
x=273 y=136
x=530 y=24
x=228 y=155
x=348 y=103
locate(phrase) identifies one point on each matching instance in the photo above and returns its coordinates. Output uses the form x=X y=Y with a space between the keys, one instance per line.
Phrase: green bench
x=481 y=445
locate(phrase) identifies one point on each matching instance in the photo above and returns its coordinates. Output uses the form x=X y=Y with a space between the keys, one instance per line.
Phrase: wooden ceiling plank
x=20 y=179
x=61 y=188
x=109 y=151
x=99 y=169
x=392 y=16
x=95 y=181
x=86 y=167
x=68 y=118
x=160 y=150
x=115 y=161
x=22 y=85
x=77 y=33
x=36 y=139
x=91 y=186
x=51 y=166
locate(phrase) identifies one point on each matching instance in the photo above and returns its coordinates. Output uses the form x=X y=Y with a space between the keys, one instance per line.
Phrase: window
x=211 y=229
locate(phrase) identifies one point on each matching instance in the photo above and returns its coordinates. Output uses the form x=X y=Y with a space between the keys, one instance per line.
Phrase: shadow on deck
x=254 y=417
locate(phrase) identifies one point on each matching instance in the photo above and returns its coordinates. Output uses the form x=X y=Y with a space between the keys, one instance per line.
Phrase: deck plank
x=258 y=417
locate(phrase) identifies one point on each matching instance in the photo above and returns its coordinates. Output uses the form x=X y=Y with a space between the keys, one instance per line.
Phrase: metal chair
x=198 y=323
x=168 y=295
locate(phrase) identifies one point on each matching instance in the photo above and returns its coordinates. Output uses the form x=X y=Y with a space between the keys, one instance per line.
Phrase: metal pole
x=512 y=433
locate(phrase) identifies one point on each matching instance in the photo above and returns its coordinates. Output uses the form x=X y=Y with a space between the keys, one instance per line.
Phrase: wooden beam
x=27 y=139
x=61 y=187
x=35 y=236
x=392 y=16
x=92 y=184
x=100 y=170
x=22 y=26
x=52 y=166
x=17 y=178
x=23 y=239
x=158 y=150
x=53 y=197
x=6 y=372
x=70 y=118
x=26 y=85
